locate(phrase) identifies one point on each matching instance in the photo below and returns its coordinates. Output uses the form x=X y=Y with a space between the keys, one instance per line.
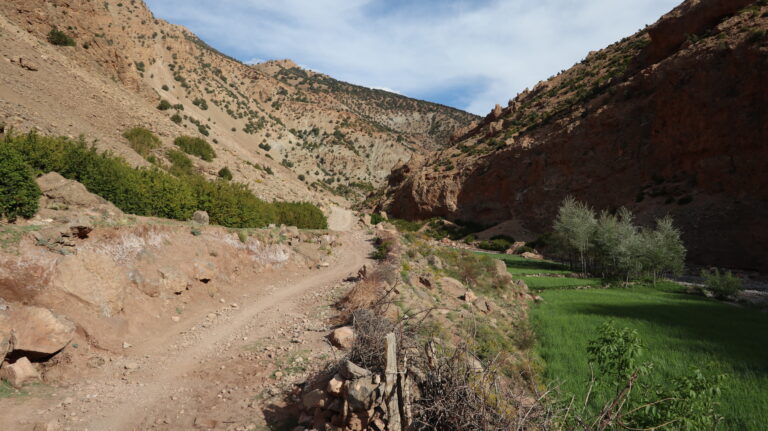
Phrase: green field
x=517 y=265
x=545 y=283
x=679 y=331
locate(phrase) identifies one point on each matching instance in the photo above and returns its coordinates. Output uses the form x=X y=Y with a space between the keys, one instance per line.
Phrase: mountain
x=286 y=132
x=671 y=120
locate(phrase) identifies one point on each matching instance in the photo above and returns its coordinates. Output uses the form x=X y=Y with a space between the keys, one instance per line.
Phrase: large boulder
x=36 y=330
x=452 y=286
x=19 y=373
x=500 y=268
x=342 y=338
x=59 y=192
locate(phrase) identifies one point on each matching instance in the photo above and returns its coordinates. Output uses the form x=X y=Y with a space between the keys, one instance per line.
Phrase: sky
x=469 y=54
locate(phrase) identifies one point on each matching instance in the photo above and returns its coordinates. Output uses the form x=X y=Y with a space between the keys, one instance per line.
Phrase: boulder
x=483 y=305
x=500 y=268
x=36 y=330
x=351 y=371
x=19 y=373
x=469 y=296
x=517 y=245
x=452 y=286
x=342 y=338
x=435 y=261
x=201 y=218
x=529 y=255
x=360 y=394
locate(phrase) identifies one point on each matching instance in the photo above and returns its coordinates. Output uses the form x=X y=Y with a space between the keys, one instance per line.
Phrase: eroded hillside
x=672 y=120
x=286 y=132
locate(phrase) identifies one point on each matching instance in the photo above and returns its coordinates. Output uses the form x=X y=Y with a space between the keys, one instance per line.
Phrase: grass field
x=545 y=283
x=517 y=265
x=679 y=331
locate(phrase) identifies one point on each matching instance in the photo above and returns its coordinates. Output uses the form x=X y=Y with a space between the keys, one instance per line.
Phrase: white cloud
x=471 y=54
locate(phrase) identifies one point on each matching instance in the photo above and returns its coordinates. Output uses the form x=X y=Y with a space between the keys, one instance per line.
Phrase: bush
x=498 y=244
x=164 y=105
x=176 y=118
x=225 y=174
x=382 y=248
x=181 y=164
x=59 y=38
x=165 y=87
x=196 y=147
x=155 y=192
x=722 y=284
x=142 y=141
x=19 y=192
x=200 y=103
x=376 y=218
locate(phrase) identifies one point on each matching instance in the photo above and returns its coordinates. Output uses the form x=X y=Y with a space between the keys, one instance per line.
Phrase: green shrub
x=225 y=174
x=381 y=250
x=59 y=38
x=142 y=141
x=376 y=218
x=19 y=192
x=200 y=103
x=176 y=118
x=498 y=244
x=722 y=284
x=164 y=105
x=196 y=147
x=181 y=164
x=155 y=192
x=165 y=87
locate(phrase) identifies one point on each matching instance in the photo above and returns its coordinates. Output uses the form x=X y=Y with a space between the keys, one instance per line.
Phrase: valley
x=189 y=241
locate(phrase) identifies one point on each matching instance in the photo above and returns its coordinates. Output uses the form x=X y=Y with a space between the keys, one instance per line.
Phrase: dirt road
x=222 y=372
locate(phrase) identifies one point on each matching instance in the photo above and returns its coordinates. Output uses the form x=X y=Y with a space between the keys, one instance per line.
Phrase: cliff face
x=655 y=123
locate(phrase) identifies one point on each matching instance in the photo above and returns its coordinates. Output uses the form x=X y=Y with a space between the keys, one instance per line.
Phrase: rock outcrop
x=654 y=123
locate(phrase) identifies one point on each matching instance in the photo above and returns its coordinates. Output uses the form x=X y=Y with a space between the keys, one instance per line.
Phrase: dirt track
x=217 y=373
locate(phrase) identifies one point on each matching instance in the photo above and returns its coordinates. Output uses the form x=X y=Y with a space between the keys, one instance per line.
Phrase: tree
x=662 y=249
x=575 y=226
x=19 y=192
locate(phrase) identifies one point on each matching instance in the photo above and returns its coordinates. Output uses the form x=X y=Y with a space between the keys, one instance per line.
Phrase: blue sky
x=470 y=54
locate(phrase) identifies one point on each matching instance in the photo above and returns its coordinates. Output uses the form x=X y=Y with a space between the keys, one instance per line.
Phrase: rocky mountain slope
x=286 y=132
x=672 y=120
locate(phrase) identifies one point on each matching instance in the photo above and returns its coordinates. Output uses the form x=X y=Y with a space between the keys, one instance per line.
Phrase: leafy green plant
x=19 y=192
x=142 y=140
x=196 y=147
x=615 y=352
x=176 y=118
x=59 y=38
x=722 y=284
x=181 y=164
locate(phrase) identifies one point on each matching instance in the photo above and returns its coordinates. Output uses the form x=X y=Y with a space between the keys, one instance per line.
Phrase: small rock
x=175 y=318
x=131 y=366
x=201 y=218
x=335 y=385
x=342 y=338
x=351 y=371
x=127 y=345
x=19 y=373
